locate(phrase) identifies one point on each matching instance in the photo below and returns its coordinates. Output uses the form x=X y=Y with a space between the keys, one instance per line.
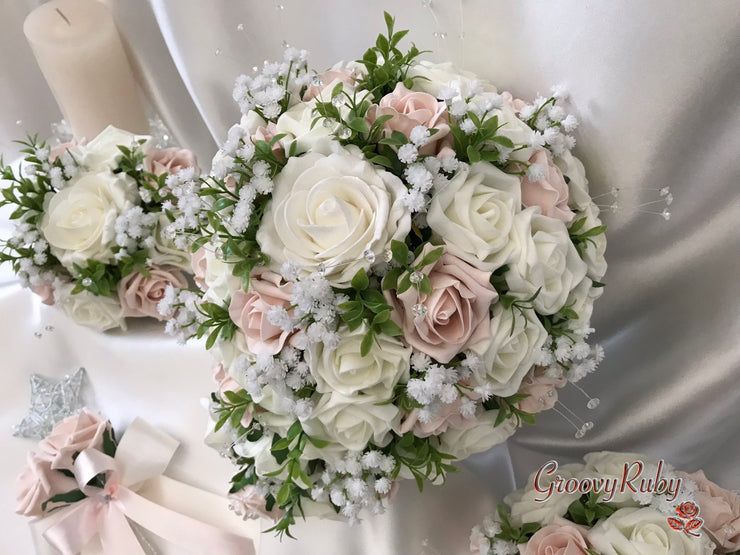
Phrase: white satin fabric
x=657 y=87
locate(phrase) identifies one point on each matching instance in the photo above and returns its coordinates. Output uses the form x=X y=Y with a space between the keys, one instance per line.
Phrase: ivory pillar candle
x=81 y=55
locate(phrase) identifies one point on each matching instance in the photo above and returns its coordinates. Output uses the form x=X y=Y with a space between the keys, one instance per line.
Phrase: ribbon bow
x=142 y=454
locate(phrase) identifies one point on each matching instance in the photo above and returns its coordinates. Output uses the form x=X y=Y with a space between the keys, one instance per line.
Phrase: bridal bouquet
x=91 y=225
x=614 y=503
x=398 y=266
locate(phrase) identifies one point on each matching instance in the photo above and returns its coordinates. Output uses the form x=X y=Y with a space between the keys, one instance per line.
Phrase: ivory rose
x=643 y=531
x=509 y=349
x=332 y=209
x=572 y=168
x=720 y=510
x=94 y=311
x=345 y=371
x=249 y=503
x=524 y=503
x=79 y=221
x=170 y=160
x=456 y=311
x=140 y=295
x=351 y=421
x=562 y=537
x=547 y=262
x=72 y=435
x=551 y=192
x=473 y=215
x=296 y=123
x=164 y=252
x=250 y=311
x=542 y=391
x=411 y=109
x=431 y=78
x=461 y=443
x=102 y=154
x=37 y=483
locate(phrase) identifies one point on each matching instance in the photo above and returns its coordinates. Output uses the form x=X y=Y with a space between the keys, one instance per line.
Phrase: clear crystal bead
x=669 y=199
x=337 y=100
x=593 y=403
x=369 y=256
x=37 y=335
x=387 y=255
x=614 y=207
x=551 y=393
x=279 y=7
x=316 y=81
x=19 y=122
x=49 y=328
x=416 y=276
x=588 y=426
x=321 y=268
x=217 y=52
x=580 y=433
x=87 y=282
x=666 y=214
x=240 y=27
x=419 y=310
x=344 y=132
x=664 y=191
x=219 y=253
x=327 y=123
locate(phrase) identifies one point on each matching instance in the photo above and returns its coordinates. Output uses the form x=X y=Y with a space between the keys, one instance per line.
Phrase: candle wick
x=64 y=17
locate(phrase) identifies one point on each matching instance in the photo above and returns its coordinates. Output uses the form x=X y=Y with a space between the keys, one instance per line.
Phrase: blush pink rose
x=542 y=391
x=410 y=109
x=457 y=310
x=514 y=103
x=199 y=265
x=329 y=79
x=170 y=160
x=37 y=483
x=266 y=133
x=447 y=417
x=559 y=538
x=720 y=510
x=72 y=435
x=551 y=192
x=248 y=503
x=139 y=295
x=249 y=311
x=44 y=290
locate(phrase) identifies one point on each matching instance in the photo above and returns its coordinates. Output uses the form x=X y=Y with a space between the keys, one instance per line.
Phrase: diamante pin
x=593 y=403
x=240 y=27
x=344 y=132
x=369 y=256
x=321 y=268
x=416 y=276
x=316 y=81
x=419 y=310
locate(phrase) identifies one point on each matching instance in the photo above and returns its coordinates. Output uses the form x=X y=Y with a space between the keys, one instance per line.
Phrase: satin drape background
x=657 y=87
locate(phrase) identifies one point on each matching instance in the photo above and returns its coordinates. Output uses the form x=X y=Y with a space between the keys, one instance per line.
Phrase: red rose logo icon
x=687 y=510
x=688 y=520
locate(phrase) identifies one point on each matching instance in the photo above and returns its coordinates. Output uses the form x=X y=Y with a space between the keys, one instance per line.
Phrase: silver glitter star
x=51 y=402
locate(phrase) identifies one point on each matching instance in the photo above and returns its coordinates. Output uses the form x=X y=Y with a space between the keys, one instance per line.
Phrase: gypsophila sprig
x=389 y=275
x=90 y=225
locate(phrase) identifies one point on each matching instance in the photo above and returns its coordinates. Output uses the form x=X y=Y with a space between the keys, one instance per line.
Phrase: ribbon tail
x=76 y=529
x=181 y=530
x=116 y=535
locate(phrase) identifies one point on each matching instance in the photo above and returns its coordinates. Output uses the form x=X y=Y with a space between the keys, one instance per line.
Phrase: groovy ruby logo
x=688 y=519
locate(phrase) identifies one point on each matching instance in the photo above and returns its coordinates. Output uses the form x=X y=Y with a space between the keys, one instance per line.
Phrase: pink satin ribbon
x=105 y=513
